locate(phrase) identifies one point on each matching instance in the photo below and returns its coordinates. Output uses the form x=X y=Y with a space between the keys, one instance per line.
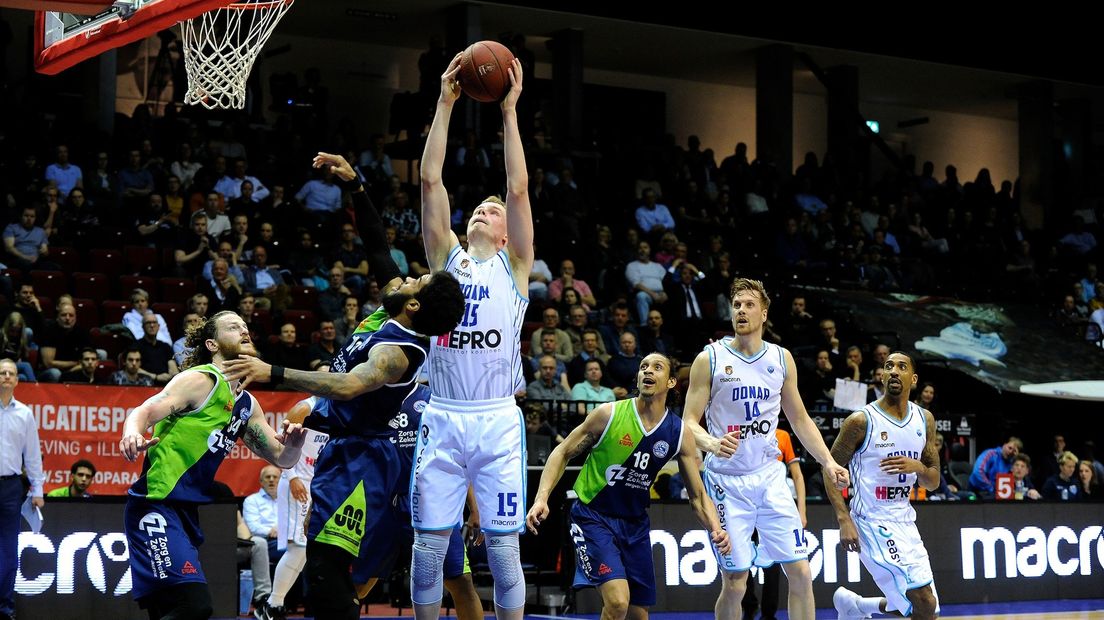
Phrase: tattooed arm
x=178 y=398
x=579 y=441
x=386 y=364
x=281 y=450
x=851 y=436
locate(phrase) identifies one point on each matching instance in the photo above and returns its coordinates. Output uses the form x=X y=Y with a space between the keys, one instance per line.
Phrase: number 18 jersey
x=745 y=396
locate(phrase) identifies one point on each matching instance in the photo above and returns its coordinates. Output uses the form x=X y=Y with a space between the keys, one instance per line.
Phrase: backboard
x=63 y=39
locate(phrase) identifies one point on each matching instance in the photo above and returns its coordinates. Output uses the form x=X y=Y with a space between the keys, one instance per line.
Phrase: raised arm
x=697 y=399
x=578 y=441
x=519 y=215
x=178 y=397
x=806 y=429
x=436 y=231
x=385 y=364
x=850 y=438
x=689 y=463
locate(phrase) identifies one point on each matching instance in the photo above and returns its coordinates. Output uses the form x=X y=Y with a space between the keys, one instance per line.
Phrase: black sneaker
x=278 y=612
x=261 y=610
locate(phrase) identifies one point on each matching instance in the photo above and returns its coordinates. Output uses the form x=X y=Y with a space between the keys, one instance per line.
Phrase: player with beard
x=890 y=446
x=741 y=384
x=196 y=421
x=357 y=475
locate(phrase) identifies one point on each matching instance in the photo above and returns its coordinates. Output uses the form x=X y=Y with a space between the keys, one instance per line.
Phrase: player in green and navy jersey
x=628 y=442
x=196 y=421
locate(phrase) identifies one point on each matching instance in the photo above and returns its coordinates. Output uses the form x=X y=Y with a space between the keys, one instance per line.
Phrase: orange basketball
x=484 y=71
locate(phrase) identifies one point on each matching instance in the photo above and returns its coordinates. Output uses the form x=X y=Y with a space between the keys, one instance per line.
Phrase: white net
x=220 y=47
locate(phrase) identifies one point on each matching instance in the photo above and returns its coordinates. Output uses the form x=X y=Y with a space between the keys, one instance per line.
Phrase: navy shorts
x=164 y=542
x=354 y=481
x=608 y=548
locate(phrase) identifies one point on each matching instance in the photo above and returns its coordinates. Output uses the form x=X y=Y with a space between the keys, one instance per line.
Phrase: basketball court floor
x=1085 y=609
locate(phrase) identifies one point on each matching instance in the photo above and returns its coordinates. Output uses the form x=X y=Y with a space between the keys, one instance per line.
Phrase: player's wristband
x=277 y=375
x=352 y=185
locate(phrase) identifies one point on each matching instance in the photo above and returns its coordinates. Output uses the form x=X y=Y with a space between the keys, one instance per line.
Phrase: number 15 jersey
x=745 y=396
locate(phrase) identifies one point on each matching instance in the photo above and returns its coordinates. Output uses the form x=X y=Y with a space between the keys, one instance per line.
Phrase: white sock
x=868 y=605
x=287 y=571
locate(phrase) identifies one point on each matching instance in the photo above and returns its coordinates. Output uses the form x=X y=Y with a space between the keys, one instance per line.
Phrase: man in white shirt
x=139 y=302
x=259 y=513
x=645 y=276
x=217 y=222
x=230 y=185
x=19 y=450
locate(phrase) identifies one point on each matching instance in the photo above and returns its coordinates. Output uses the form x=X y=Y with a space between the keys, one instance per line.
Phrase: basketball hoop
x=220 y=47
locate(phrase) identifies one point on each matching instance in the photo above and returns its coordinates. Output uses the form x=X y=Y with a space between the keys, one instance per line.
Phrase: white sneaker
x=847 y=604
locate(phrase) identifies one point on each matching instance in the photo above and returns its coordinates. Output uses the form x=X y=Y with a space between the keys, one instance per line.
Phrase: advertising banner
x=86 y=422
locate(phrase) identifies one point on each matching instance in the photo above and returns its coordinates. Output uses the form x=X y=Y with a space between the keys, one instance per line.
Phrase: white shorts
x=476 y=442
x=760 y=501
x=291 y=515
x=896 y=558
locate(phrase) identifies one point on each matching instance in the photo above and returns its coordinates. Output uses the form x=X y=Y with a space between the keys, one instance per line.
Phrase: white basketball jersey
x=481 y=358
x=745 y=396
x=880 y=496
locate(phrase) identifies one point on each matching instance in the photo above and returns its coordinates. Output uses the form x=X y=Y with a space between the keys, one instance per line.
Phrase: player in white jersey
x=472 y=430
x=741 y=384
x=292 y=510
x=890 y=445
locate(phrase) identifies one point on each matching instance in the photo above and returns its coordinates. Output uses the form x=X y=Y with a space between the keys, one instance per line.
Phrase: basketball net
x=220 y=47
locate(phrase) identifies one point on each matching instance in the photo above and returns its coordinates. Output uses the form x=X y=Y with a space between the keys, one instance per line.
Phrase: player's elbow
x=431 y=178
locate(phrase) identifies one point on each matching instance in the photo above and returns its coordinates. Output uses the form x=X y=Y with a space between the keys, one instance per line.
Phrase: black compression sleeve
x=374 y=236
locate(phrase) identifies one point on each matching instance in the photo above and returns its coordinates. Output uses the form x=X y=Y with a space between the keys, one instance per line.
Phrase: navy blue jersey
x=370 y=414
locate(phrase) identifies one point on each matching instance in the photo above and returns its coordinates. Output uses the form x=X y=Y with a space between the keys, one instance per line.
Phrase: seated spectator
x=64 y=175
x=1079 y=241
x=652 y=217
x=821 y=384
x=1063 y=486
x=81 y=474
x=548 y=385
x=350 y=317
x=576 y=325
x=132 y=373
x=926 y=398
x=225 y=251
x=265 y=282
x=306 y=263
x=655 y=339
x=537 y=425
x=14 y=345
x=686 y=290
x=331 y=302
x=1021 y=474
x=194 y=247
x=645 y=278
x=351 y=257
x=26 y=245
x=567 y=279
x=591 y=389
x=397 y=255
x=157 y=356
x=1089 y=487
x=373 y=299
x=61 y=344
x=321 y=353
x=320 y=195
x=618 y=324
x=239 y=239
x=539 y=277
x=624 y=365
x=260 y=513
x=230 y=185
x=135 y=181
x=218 y=223
x=854 y=369
x=155 y=226
x=548 y=347
x=286 y=351
x=191 y=321
x=139 y=308
x=588 y=350
x=86 y=371
x=198 y=304
x=221 y=288
x=550 y=320
x=992 y=462
x=27 y=304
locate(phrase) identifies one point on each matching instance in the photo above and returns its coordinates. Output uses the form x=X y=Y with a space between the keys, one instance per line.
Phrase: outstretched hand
x=247 y=369
x=450 y=86
x=340 y=166
x=510 y=102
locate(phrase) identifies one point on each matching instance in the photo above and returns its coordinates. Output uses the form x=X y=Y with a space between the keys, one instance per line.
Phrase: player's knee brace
x=427 y=565
x=332 y=595
x=296 y=557
x=504 y=558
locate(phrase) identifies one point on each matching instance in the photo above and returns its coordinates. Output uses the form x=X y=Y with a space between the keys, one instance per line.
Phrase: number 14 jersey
x=745 y=396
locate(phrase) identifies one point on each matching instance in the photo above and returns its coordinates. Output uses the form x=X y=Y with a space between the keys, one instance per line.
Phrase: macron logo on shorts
x=626 y=440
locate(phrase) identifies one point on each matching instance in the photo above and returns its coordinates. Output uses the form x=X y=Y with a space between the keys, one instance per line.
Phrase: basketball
x=484 y=70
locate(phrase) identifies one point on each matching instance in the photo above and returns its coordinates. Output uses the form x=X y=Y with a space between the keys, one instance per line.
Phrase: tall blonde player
x=472 y=431
x=890 y=446
x=741 y=384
